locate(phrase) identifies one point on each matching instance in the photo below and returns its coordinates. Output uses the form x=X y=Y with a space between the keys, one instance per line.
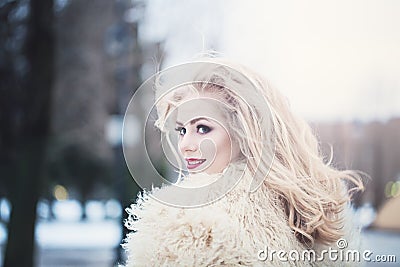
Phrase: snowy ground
x=101 y=234
x=382 y=243
x=75 y=244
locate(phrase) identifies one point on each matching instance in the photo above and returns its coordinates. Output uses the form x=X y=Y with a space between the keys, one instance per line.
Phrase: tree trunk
x=20 y=245
x=32 y=137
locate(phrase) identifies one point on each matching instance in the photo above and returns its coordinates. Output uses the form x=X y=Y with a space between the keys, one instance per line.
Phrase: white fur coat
x=228 y=232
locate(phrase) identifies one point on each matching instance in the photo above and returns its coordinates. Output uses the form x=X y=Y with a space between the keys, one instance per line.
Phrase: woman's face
x=204 y=141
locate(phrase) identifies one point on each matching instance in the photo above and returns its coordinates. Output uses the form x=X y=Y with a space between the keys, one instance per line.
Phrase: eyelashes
x=201 y=129
x=181 y=130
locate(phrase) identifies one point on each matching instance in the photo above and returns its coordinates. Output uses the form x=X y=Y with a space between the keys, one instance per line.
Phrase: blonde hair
x=280 y=147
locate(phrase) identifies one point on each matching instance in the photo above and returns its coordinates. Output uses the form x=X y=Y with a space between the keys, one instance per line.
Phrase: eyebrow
x=193 y=121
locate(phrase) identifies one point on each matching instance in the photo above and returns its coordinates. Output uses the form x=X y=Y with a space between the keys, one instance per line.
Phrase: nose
x=188 y=143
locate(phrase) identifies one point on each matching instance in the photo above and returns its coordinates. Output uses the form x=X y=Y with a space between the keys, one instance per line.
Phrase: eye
x=181 y=130
x=202 y=129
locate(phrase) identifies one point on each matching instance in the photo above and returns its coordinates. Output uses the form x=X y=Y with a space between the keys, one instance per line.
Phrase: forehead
x=201 y=107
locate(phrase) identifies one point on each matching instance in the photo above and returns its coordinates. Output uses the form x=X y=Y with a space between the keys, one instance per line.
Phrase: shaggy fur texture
x=228 y=232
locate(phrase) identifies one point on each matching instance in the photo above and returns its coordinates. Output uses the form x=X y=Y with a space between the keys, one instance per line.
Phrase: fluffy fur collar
x=230 y=231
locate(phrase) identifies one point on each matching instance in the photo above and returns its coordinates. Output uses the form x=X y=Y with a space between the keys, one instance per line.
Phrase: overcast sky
x=336 y=60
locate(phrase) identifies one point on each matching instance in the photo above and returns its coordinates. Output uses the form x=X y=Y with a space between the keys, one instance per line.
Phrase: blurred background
x=68 y=69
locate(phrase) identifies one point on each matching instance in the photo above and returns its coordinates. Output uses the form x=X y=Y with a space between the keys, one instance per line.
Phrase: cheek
x=179 y=146
x=208 y=147
x=223 y=145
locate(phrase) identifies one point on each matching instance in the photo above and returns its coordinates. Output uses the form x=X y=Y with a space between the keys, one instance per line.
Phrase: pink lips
x=193 y=163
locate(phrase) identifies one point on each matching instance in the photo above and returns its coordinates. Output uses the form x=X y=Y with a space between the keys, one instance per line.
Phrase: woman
x=259 y=183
